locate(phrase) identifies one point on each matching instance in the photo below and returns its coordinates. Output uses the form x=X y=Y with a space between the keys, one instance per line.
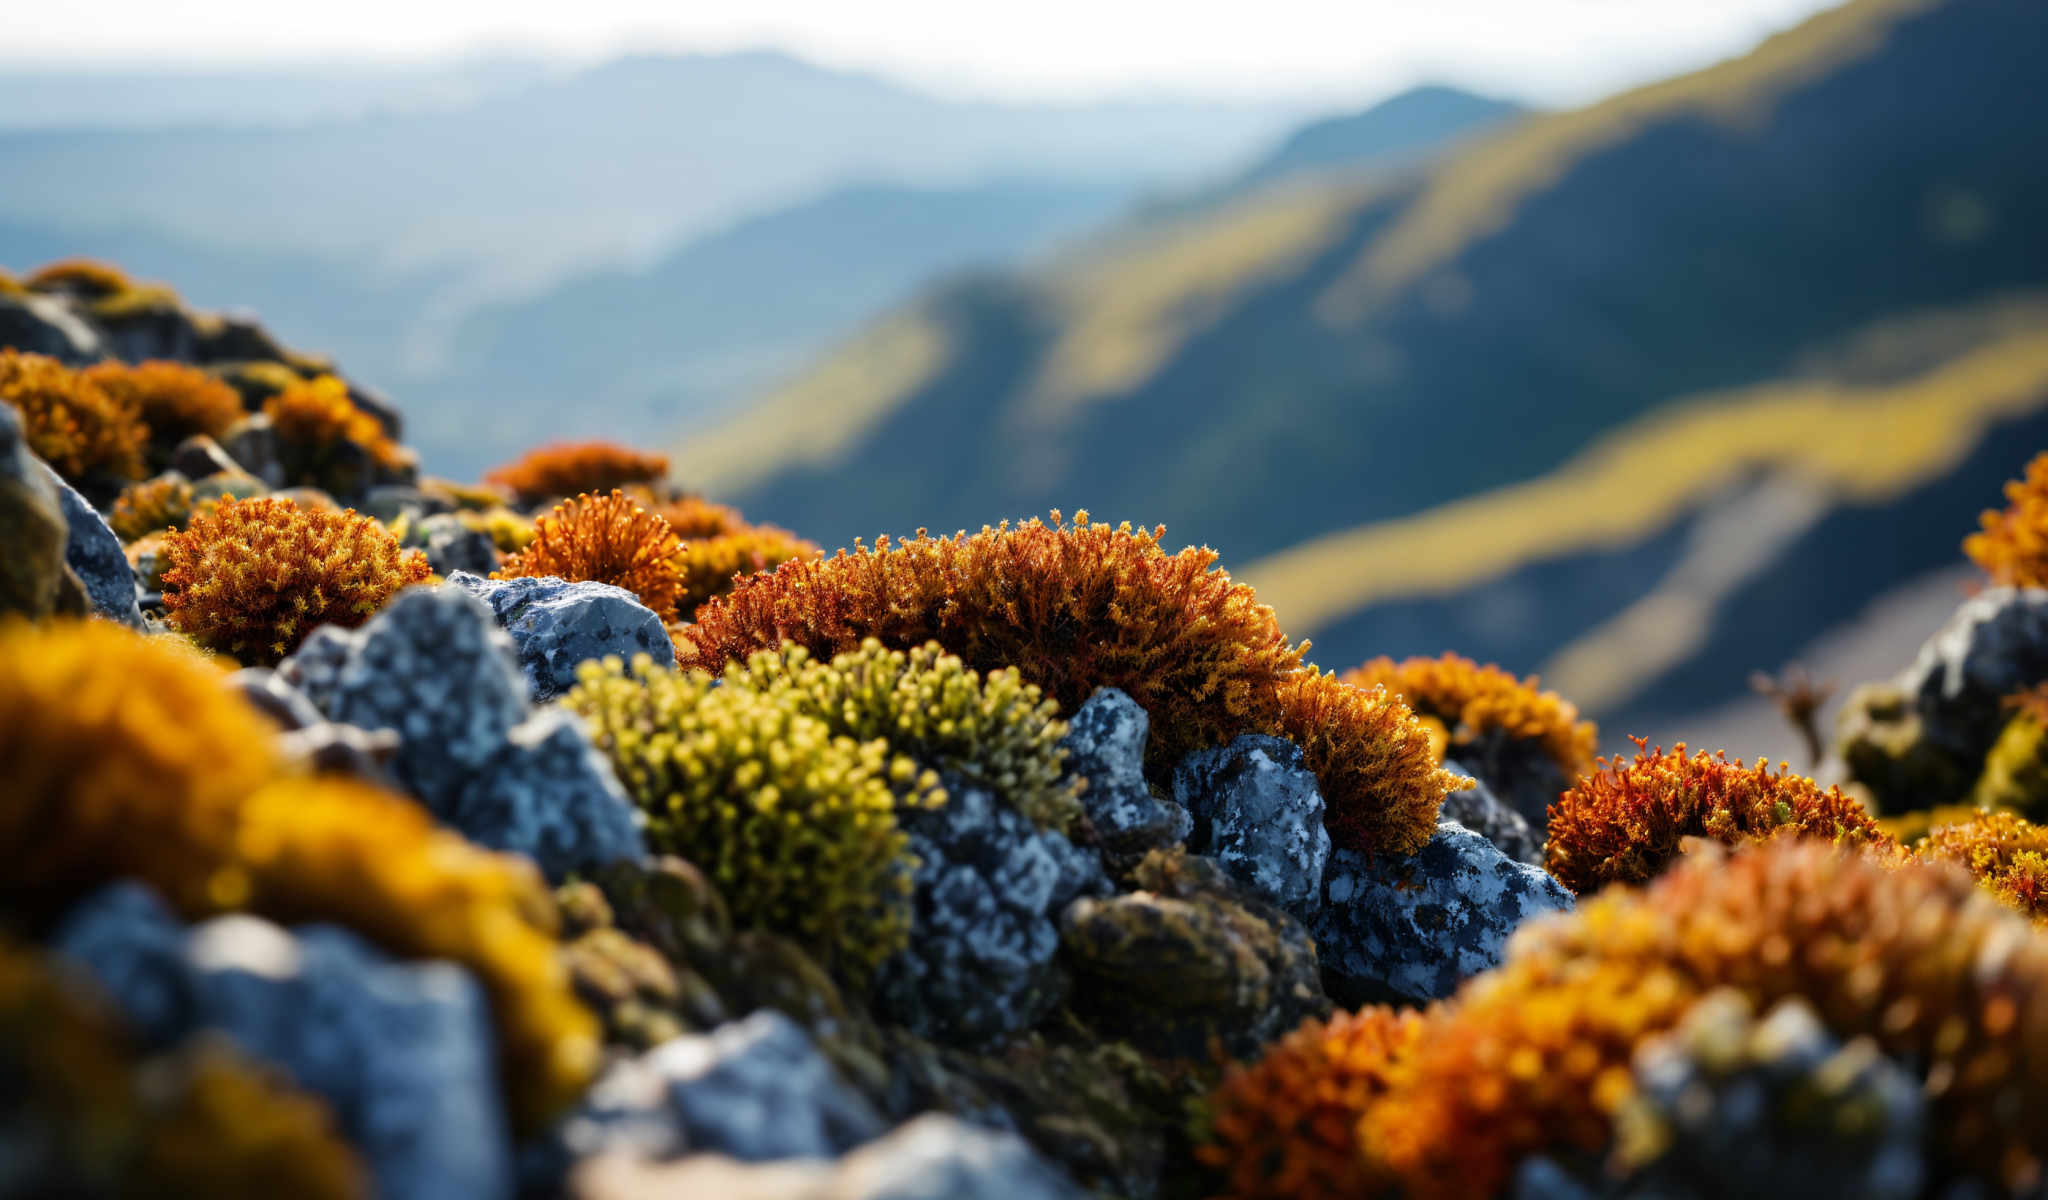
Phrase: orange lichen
x=85 y=277
x=144 y=508
x=2012 y=547
x=252 y=578
x=1626 y=822
x=1534 y=1057
x=2005 y=852
x=1078 y=607
x=70 y=421
x=128 y=757
x=174 y=400
x=1474 y=701
x=1286 y=1127
x=563 y=469
x=325 y=440
x=608 y=539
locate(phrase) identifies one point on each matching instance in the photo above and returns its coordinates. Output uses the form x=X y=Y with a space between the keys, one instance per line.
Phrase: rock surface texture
x=559 y=625
x=94 y=554
x=1258 y=813
x=1105 y=745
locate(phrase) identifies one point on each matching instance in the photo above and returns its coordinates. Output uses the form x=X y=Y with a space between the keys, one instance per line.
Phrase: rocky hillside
x=1392 y=397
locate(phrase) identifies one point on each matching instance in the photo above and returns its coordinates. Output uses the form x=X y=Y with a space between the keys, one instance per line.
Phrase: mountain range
x=1647 y=394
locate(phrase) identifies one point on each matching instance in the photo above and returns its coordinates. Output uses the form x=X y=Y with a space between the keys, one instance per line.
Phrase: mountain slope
x=1328 y=355
x=1401 y=129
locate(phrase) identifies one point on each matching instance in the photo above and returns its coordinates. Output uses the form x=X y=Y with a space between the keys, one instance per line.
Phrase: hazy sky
x=1556 y=51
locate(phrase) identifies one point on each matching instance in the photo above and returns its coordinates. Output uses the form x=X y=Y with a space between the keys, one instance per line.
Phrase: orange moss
x=608 y=539
x=1625 y=823
x=128 y=757
x=1534 y=1057
x=70 y=421
x=85 y=277
x=318 y=427
x=563 y=469
x=2006 y=853
x=1473 y=701
x=709 y=565
x=1286 y=1127
x=144 y=508
x=174 y=400
x=1078 y=607
x=2012 y=547
x=252 y=578
x=692 y=517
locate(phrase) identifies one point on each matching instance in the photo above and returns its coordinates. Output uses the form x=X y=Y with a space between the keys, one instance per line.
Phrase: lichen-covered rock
x=984 y=937
x=1519 y=772
x=403 y=1053
x=275 y=698
x=200 y=457
x=1479 y=810
x=1412 y=929
x=931 y=1158
x=33 y=530
x=1883 y=745
x=252 y=443
x=320 y=744
x=47 y=325
x=1258 y=813
x=559 y=625
x=94 y=554
x=1731 y=1100
x=756 y=1090
x=1105 y=745
x=550 y=795
x=1189 y=958
x=452 y=546
x=434 y=668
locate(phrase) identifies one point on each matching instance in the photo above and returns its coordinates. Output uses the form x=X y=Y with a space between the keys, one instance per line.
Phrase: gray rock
x=453 y=547
x=1258 y=812
x=1412 y=929
x=403 y=1053
x=550 y=795
x=937 y=1157
x=1995 y=645
x=252 y=443
x=94 y=555
x=34 y=580
x=278 y=700
x=387 y=501
x=1105 y=745
x=1519 y=772
x=434 y=668
x=1479 y=810
x=200 y=457
x=1741 y=1100
x=48 y=325
x=559 y=625
x=985 y=933
x=756 y=1090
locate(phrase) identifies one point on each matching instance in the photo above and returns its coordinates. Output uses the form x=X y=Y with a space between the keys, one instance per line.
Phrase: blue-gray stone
x=1994 y=646
x=1105 y=745
x=403 y=1053
x=559 y=625
x=1479 y=810
x=984 y=935
x=451 y=546
x=937 y=1157
x=95 y=556
x=1411 y=929
x=548 y=794
x=1259 y=814
x=757 y=1090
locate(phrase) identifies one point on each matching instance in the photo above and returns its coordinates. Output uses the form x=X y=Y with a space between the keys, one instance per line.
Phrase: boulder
x=1258 y=812
x=1105 y=745
x=558 y=625
x=94 y=554
x=1479 y=810
x=34 y=534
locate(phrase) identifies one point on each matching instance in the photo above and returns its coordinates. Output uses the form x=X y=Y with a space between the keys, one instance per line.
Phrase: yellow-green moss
x=795 y=824
x=2016 y=771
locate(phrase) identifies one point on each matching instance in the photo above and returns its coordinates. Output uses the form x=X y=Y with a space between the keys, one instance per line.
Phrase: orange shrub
x=318 y=426
x=86 y=277
x=70 y=421
x=1625 y=823
x=572 y=468
x=251 y=578
x=2006 y=853
x=608 y=539
x=2012 y=547
x=174 y=400
x=1473 y=701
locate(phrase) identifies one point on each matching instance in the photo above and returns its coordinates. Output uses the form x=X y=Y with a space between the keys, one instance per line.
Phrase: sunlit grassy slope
x=1860 y=442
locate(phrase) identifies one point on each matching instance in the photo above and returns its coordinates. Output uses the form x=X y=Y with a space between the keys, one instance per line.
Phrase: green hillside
x=1833 y=223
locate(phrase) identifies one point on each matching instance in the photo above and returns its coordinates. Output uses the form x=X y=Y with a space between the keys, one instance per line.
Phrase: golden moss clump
x=9 y=285
x=608 y=539
x=2015 y=773
x=199 y=1122
x=85 y=277
x=152 y=505
x=1534 y=1057
x=1474 y=701
x=1625 y=823
x=710 y=565
x=998 y=732
x=325 y=440
x=252 y=578
x=2005 y=852
x=1078 y=607
x=563 y=469
x=1286 y=1127
x=692 y=517
x=70 y=421
x=129 y=758
x=174 y=400
x=796 y=825
x=2012 y=546
x=1376 y=764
